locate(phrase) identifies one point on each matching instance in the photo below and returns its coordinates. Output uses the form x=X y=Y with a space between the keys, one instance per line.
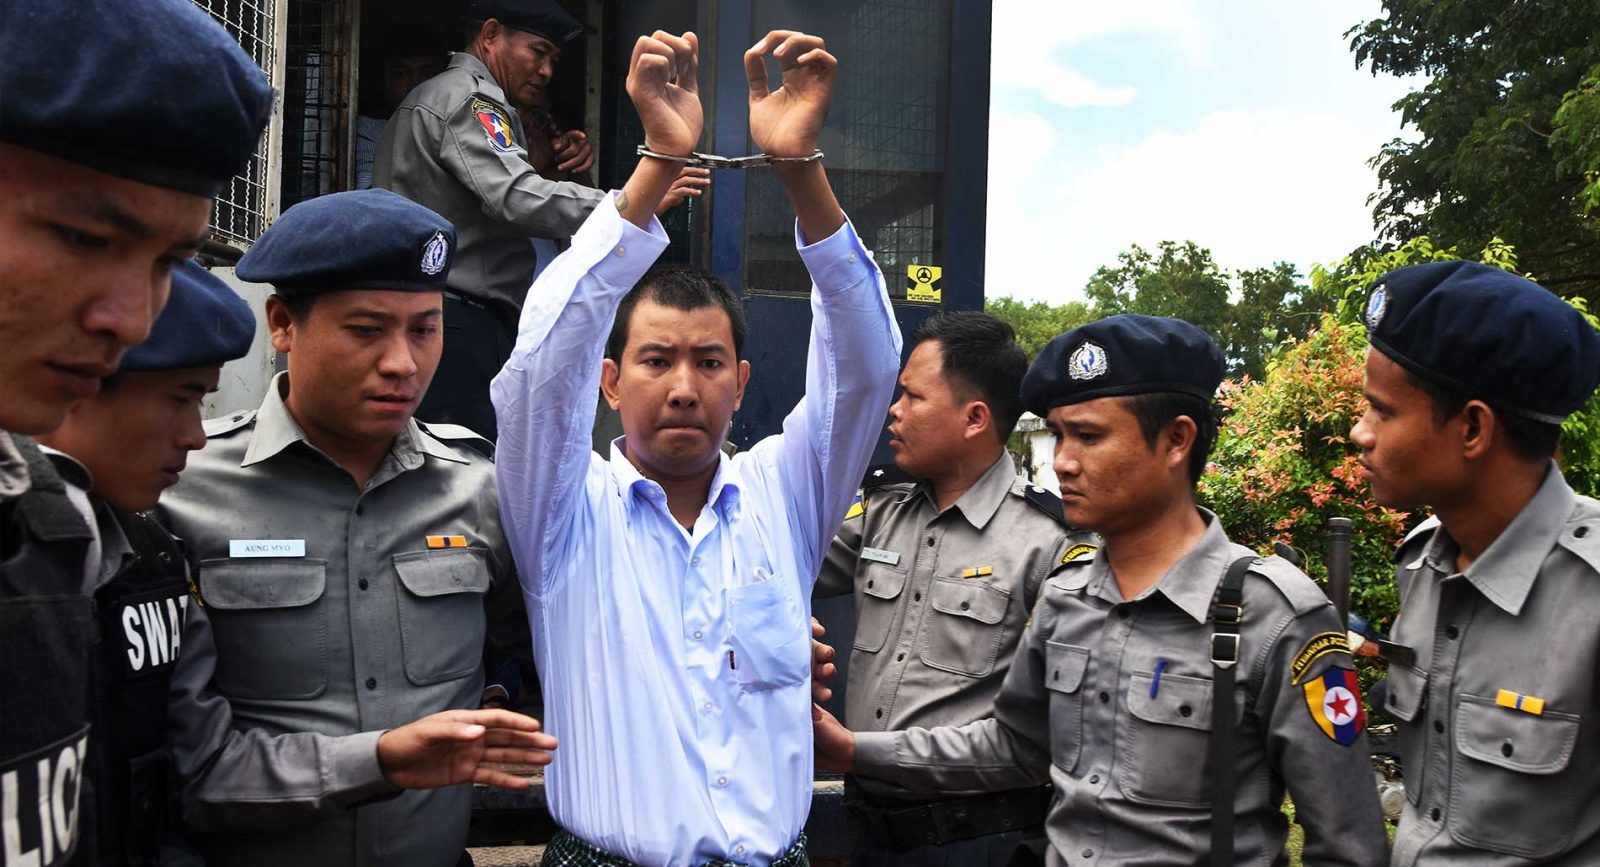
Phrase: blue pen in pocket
x=1155 y=682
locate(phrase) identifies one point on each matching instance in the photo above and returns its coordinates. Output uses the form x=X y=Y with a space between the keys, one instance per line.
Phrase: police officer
x=108 y=164
x=119 y=450
x=945 y=568
x=1116 y=694
x=345 y=558
x=1492 y=677
x=456 y=146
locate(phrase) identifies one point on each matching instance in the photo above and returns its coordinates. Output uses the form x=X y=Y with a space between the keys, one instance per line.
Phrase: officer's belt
x=901 y=825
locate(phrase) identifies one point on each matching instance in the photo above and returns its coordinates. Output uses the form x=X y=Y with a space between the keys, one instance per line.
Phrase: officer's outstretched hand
x=450 y=747
x=786 y=122
x=835 y=745
x=822 y=667
x=662 y=84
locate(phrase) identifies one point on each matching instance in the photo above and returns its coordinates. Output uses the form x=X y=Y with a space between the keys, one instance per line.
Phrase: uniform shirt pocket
x=1167 y=740
x=1514 y=792
x=1063 y=677
x=881 y=587
x=771 y=637
x=967 y=627
x=441 y=612
x=270 y=624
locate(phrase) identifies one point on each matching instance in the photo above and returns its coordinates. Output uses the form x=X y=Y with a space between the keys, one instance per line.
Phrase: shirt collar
x=983 y=499
x=724 y=492
x=1191 y=583
x=1505 y=572
x=275 y=430
x=69 y=468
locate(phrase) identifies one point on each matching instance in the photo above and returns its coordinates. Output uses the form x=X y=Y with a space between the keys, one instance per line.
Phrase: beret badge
x=434 y=254
x=1377 y=304
x=1086 y=362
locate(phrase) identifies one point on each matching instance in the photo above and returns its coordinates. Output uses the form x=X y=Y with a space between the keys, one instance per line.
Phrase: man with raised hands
x=668 y=584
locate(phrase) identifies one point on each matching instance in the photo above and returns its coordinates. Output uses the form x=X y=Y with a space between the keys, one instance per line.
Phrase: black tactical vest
x=130 y=806
x=45 y=633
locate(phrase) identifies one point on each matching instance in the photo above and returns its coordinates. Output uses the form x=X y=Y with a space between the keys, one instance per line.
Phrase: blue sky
x=1243 y=125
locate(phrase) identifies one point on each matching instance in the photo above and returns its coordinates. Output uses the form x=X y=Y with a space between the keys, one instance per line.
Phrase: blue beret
x=364 y=239
x=154 y=91
x=543 y=17
x=1487 y=333
x=1121 y=355
x=204 y=323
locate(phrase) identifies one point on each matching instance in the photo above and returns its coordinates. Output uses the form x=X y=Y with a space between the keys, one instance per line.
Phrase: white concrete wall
x=244 y=380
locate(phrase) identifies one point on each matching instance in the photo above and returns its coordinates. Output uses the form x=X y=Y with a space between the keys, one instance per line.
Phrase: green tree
x=1247 y=314
x=1038 y=322
x=1487 y=162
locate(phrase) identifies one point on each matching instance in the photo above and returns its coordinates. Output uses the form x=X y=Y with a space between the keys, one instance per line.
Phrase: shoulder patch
x=1082 y=551
x=458 y=435
x=496 y=124
x=1302 y=593
x=1316 y=647
x=880 y=475
x=1334 y=700
x=1045 y=501
x=226 y=424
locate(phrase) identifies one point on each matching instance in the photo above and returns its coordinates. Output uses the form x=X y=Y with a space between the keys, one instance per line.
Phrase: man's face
x=135 y=438
x=85 y=265
x=677 y=386
x=359 y=360
x=1109 y=476
x=523 y=64
x=928 y=423
x=401 y=74
x=1408 y=456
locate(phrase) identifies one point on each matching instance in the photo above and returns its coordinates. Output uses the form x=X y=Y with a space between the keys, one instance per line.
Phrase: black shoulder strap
x=1227 y=613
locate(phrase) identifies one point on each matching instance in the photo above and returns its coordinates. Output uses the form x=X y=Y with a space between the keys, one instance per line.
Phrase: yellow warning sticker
x=924 y=283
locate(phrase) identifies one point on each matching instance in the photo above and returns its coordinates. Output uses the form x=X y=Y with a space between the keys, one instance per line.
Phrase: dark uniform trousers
x=130 y=806
x=478 y=337
x=45 y=634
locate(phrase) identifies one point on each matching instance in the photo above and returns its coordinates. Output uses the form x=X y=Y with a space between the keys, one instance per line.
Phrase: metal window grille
x=316 y=100
x=245 y=207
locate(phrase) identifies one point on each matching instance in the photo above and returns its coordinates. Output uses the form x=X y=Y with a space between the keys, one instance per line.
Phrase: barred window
x=244 y=208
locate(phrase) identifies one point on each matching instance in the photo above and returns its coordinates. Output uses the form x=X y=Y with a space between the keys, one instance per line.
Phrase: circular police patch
x=435 y=253
x=1086 y=362
x=1376 y=305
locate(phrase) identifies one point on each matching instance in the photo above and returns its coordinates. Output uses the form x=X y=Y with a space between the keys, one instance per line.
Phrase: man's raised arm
x=855 y=342
x=544 y=397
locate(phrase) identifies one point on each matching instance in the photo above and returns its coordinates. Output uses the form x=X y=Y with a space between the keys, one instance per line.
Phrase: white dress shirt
x=676 y=672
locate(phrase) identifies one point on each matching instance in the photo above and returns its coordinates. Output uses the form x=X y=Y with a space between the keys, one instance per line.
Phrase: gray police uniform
x=455 y=146
x=328 y=615
x=1499 y=710
x=941 y=599
x=1110 y=700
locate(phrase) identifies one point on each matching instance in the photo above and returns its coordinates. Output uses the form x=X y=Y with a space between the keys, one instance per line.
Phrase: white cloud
x=1253 y=186
x=1034 y=33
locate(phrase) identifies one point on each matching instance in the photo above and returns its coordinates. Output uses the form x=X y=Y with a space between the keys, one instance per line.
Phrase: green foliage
x=1488 y=160
x=1037 y=323
x=1283 y=464
x=1183 y=281
x=1580 y=436
x=1576 y=138
x=1344 y=287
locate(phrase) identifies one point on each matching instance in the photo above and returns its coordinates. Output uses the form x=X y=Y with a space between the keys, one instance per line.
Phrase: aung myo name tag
x=879 y=555
x=267 y=548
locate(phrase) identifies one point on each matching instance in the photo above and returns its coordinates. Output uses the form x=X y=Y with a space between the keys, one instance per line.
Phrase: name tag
x=267 y=548
x=878 y=555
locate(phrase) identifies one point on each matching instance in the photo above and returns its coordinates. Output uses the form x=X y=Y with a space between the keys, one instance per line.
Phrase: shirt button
x=917 y=597
x=698 y=635
x=1094 y=779
x=1123 y=612
x=622 y=250
x=362 y=584
x=1452 y=633
x=930 y=541
x=372 y=683
x=878 y=713
x=901 y=657
x=1105 y=697
x=853 y=257
x=738 y=850
x=1434 y=814
x=722 y=781
x=360 y=508
x=1438 y=726
x=1088 y=853
x=694 y=561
